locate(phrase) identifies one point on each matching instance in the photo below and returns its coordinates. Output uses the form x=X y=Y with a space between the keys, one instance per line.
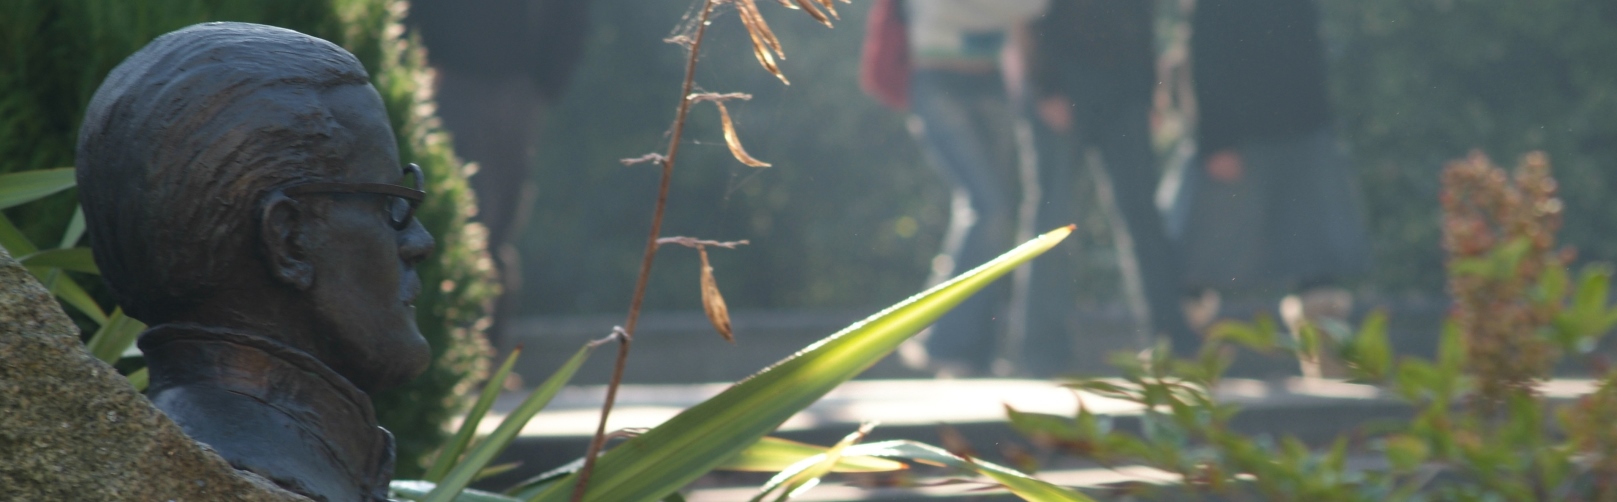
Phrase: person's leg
x=1047 y=347
x=959 y=120
x=1131 y=175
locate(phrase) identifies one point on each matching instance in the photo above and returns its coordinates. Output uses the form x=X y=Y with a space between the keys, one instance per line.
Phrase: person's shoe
x=1327 y=310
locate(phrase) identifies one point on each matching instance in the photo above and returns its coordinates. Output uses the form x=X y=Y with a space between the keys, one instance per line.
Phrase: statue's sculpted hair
x=183 y=141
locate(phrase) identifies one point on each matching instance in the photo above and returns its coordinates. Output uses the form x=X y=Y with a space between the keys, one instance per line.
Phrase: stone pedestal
x=72 y=428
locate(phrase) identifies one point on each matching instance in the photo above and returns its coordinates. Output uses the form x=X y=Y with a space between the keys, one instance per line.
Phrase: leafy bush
x=1480 y=431
x=54 y=54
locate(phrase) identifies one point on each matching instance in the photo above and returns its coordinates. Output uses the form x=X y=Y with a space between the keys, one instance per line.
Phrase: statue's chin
x=398 y=366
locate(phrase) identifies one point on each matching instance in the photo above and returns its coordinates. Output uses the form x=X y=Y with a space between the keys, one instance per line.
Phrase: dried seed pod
x=733 y=140
x=814 y=11
x=763 y=39
x=712 y=301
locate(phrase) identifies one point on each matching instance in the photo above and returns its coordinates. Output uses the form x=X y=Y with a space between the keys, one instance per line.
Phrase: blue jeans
x=967 y=135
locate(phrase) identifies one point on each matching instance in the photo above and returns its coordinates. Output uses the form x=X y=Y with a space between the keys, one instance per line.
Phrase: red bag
x=884 y=61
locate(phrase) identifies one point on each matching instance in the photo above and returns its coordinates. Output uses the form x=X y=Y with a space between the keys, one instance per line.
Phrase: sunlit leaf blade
x=75 y=259
x=1027 y=487
x=75 y=229
x=468 y=428
x=417 y=490
x=733 y=140
x=70 y=292
x=496 y=470
x=116 y=335
x=772 y=454
x=712 y=302
x=677 y=452
x=28 y=186
x=531 y=487
x=139 y=379
x=806 y=473
x=479 y=457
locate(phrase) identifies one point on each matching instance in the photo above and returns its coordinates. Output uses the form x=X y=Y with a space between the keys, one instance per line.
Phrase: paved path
x=1313 y=410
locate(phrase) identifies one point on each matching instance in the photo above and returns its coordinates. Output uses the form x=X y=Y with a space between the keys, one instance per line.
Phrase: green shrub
x=1480 y=428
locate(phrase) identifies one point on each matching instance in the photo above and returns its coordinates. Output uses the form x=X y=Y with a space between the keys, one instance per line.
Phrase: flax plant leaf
x=704 y=436
x=466 y=470
x=114 y=337
x=74 y=259
x=13 y=240
x=1027 y=487
x=139 y=379
x=417 y=490
x=806 y=473
x=28 y=186
x=772 y=454
x=468 y=428
x=69 y=292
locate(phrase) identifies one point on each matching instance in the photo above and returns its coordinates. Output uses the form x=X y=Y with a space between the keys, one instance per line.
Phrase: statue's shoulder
x=257 y=437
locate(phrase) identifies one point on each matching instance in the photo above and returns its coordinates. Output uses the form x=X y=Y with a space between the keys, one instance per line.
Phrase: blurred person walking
x=961 y=116
x=1268 y=201
x=1093 y=72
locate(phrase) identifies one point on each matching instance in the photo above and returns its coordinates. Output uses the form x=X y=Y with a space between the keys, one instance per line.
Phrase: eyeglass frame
x=411 y=196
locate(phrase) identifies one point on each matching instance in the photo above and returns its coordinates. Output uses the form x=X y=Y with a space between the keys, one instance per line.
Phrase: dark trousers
x=1118 y=130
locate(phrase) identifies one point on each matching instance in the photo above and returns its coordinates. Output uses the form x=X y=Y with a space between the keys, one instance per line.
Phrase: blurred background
x=851 y=216
x=542 y=98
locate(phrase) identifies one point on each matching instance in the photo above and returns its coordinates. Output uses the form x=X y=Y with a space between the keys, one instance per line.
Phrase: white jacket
x=965 y=29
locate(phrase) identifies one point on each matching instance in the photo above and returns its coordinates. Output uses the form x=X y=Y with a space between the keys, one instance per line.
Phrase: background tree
x=499 y=65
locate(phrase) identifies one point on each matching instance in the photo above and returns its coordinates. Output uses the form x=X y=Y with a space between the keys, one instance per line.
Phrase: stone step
x=680 y=347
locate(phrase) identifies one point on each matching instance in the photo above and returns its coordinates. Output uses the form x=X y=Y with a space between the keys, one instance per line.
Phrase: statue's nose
x=415 y=244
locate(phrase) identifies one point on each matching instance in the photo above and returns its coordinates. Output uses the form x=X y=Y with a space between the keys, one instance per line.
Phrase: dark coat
x=1259 y=70
x=1100 y=50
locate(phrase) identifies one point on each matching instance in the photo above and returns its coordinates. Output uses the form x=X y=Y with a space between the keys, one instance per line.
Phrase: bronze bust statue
x=245 y=198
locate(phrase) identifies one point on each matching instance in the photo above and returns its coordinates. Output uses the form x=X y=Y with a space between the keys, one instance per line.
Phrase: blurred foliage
x=1480 y=431
x=1418 y=82
x=851 y=213
x=849 y=216
x=54 y=54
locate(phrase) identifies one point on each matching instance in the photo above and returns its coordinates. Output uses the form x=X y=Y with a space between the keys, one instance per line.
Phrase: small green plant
x=115 y=332
x=1481 y=430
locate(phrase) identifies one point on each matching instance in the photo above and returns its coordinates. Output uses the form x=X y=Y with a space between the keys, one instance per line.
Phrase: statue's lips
x=412 y=287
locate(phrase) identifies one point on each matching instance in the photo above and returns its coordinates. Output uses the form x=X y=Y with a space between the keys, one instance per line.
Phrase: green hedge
x=54 y=53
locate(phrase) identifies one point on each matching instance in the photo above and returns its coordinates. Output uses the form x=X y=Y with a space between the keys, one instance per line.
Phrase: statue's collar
x=321 y=402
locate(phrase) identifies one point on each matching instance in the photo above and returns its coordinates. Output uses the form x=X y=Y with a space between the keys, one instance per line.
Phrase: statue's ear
x=280 y=227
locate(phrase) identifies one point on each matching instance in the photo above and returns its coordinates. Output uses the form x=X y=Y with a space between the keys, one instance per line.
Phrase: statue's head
x=245 y=176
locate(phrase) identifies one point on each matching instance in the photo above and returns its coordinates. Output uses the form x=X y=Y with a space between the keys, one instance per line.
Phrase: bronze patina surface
x=274 y=309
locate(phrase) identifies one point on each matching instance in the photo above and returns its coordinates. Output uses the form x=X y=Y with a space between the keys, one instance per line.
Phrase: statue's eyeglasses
x=401 y=201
